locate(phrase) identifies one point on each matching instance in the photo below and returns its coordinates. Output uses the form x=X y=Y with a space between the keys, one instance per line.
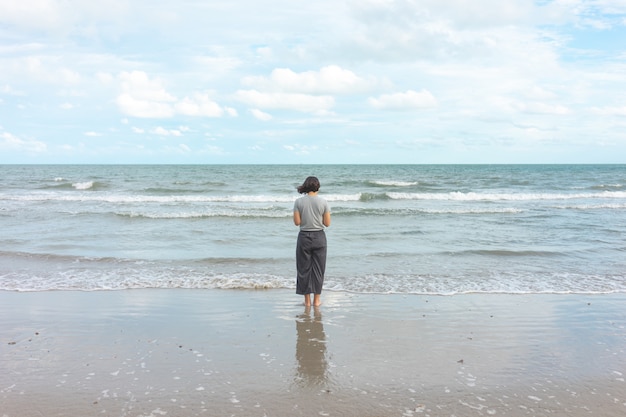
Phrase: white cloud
x=212 y=150
x=7 y=89
x=486 y=66
x=331 y=79
x=28 y=68
x=261 y=115
x=541 y=108
x=409 y=100
x=299 y=149
x=610 y=111
x=199 y=105
x=300 y=102
x=61 y=17
x=307 y=92
x=148 y=98
x=11 y=142
x=143 y=108
x=161 y=131
x=141 y=87
x=105 y=77
x=218 y=64
x=31 y=14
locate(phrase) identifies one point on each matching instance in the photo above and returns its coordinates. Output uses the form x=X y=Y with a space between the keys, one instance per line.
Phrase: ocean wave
x=528 y=283
x=473 y=196
x=282 y=212
x=392 y=183
x=62 y=184
x=509 y=253
x=373 y=196
x=247 y=198
x=121 y=198
x=83 y=185
x=130 y=280
x=231 y=213
x=172 y=191
x=365 y=211
x=607 y=186
x=47 y=272
x=583 y=207
x=127 y=278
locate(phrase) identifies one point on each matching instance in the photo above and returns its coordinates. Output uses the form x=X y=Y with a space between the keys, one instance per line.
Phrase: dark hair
x=311 y=184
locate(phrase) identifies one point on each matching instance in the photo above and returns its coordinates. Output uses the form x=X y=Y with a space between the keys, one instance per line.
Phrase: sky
x=312 y=82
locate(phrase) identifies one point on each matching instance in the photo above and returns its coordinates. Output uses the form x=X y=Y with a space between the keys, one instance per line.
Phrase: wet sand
x=261 y=353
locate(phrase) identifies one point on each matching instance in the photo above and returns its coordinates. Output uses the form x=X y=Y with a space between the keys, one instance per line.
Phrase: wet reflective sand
x=261 y=353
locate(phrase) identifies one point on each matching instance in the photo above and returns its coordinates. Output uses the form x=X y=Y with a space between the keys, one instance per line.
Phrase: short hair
x=311 y=184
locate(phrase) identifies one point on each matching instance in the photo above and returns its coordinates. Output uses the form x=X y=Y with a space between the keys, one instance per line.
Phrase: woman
x=312 y=214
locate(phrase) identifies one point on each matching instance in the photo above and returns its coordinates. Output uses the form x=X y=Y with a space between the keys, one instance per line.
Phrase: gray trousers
x=310 y=262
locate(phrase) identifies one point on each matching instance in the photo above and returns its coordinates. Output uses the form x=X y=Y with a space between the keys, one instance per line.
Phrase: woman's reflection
x=311 y=348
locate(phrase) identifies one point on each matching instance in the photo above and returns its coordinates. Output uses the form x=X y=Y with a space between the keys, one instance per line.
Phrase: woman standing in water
x=312 y=214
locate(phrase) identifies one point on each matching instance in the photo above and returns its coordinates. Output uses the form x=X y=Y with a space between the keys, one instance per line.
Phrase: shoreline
x=156 y=352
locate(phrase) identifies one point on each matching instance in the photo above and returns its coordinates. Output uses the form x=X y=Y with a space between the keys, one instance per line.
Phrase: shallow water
x=428 y=229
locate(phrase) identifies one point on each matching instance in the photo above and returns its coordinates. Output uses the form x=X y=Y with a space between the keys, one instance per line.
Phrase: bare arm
x=296 y=218
x=326 y=219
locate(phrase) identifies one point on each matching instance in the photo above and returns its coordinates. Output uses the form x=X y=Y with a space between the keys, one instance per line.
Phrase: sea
x=409 y=229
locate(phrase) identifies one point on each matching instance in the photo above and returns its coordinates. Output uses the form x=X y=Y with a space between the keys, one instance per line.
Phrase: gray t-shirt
x=312 y=210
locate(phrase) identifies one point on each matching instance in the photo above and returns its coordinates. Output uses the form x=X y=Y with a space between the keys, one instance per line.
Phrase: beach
x=216 y=352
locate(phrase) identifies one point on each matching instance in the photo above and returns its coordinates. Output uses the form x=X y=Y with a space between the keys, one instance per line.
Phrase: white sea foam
x=396 y=183
x=170 y=277
x=472 y=196
x=83 y=185
x=504 y=210
x=452 y=196
x=481 y=229
x=121 y=198
x=593 y=207
x=206 y=214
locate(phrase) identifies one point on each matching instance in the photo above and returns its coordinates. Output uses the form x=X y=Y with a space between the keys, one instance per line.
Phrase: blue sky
x=330 y=81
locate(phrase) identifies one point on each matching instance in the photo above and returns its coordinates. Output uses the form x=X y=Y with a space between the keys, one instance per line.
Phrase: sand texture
x=261 y=353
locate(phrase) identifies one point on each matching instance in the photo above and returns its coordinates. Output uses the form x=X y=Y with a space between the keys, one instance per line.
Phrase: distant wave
x=607 y=186
x=373 y=196
x=392 y=183
x=473 y=196
x=121 y=198
x=338 y=211
x=364 y=211
x=83 y=185
x=247 y=198
x=251 y=214
x=509 y=253
x=80 y=186
x=168 y=191
x=593 y=207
